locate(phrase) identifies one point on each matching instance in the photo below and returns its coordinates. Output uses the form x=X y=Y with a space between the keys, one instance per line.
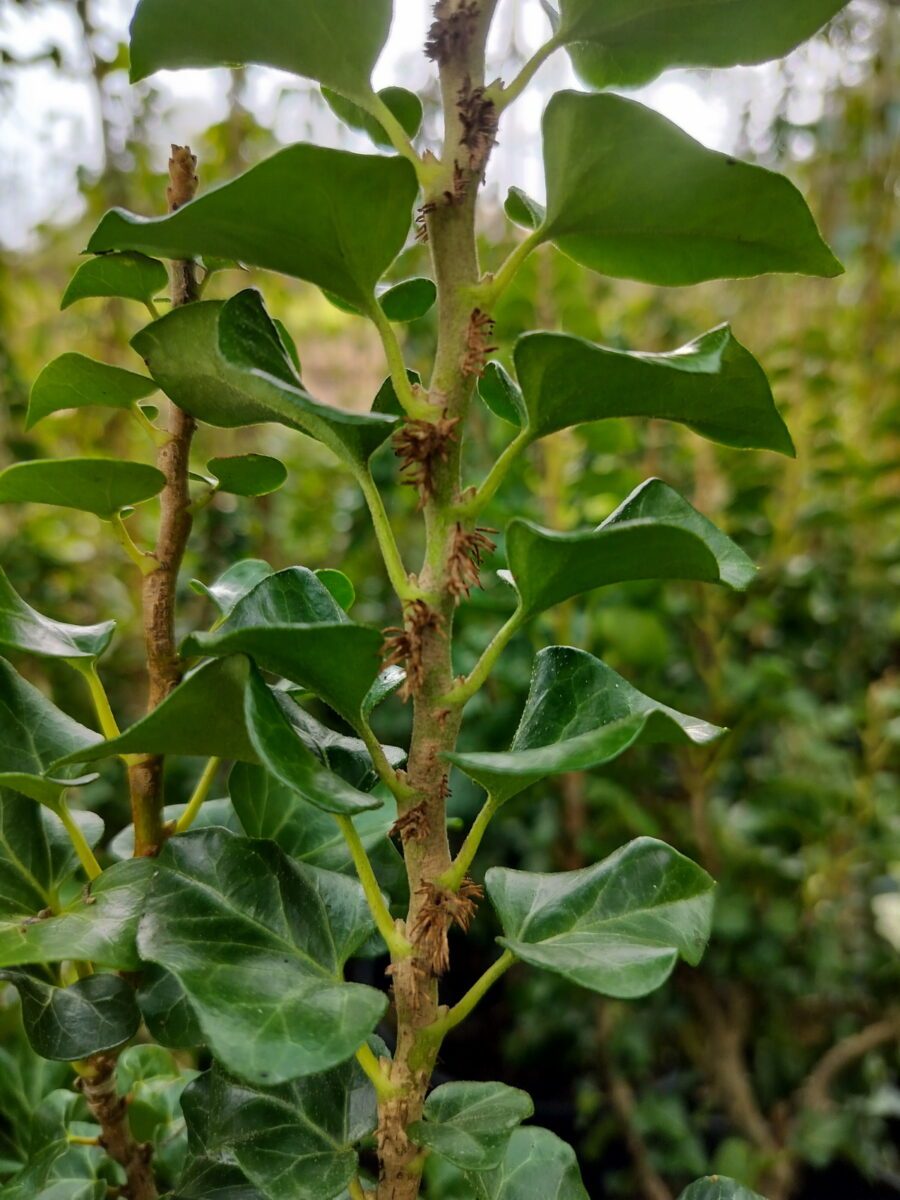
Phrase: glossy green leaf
x=248 y=474
x=653 y=534
x=522 y=210
x=405 y=105
x=470 y=1124
x=712 y=385
x=717 y=1187
x=502 y=395
x=339 y=585
x=537 y=1165
x=389 y=681
x=226 y=365
x=632 y=195
x=23 y=628
x=579 y=714
x=409 y=300
x=295 y=1142
x=336 y=42
x=618 y=927
x=258 y=942
x=34 y=734
x=356 y=213
x=98 y=926
x=59 y=1171
x=103 y=486
x=128 y=276
x=235 y=582
x=625 y=44
x=75 y=381
x=95 y=1014
x=167 y=1011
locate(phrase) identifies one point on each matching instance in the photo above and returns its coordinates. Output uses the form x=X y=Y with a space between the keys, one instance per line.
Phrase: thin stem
x=85 y=854
x=159 y=436
x=384 y=1089
x=515 y=89
x=496 y=475
x=398 y=946
x=396 y=362
x=384 y=534
x=386 y=772
x=463 y=692
x=201 y=791
x=478 y=990
x=355 y=1189
x=145 y=562
x=395 y=131
x=87 y=668
x=494 y=287
x=75 y=1139
x=457 y=873
x=152 y=309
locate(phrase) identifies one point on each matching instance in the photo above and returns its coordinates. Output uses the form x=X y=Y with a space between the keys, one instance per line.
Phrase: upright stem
x=158 y=595
x=108 y=1108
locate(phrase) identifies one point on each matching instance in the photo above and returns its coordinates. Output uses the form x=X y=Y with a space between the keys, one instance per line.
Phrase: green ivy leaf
x=717 y=1187
x=632 y=195
x=405 y=105
x=103 y=486
x=128 y=276
x=226 y=365
x=339 y=585
x=59 y=1172
x=579 y=714
x=23 y=628
x=618 y=927
x=154 y=1083
x=248 y=474
x=167 y=1011
x=75 y=381
x=654 y=534
x=409 y=300
x=502 y=395
x=294 y=1142
x=93 y=1015
x=470 y=1124
x=621 y=44
x=99 y=926
x=537 y=1165
x=336 y=42
x=34 y=733
x=713 y=385
x=231 y=918
x=522 y=210
x=356 y=212
x=235 y=582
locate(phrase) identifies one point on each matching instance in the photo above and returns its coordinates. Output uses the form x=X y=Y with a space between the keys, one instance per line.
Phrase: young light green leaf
x=93 y=1015
x=623 y=44
x=339 y=585
x=632 y=195
x=236 y=581
x=154 y=1082
x=537 y=1165
x=522 y=210
x=717 y=1187
x=248 y=474
x=128 y=276
x=409 y=300
x=502 y=395
x=233 y=918
x=654 y=534
x=470 y=1124
x=103 y=486
x=712 y=385
x=406 y=107
x=579 y=714
x=34 y=734
x=336 y=42
x=23 y=628
x=356 y=212
x=295 y=1142
x=618 y=927
x=75 y=381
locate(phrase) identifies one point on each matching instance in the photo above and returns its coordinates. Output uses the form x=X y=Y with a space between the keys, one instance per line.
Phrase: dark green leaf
x=617 y=928
x=130 y=276
x=294 y=1142
x=470 y=1124
x=248 y=474
x=654 y=534
x=258 y=943
x=501 y=394
x=386 y=400
x=578 y=715
x=93 y=1015
x=336 y=42
x=240 y=578
x=522 y=210
x=23 y=628
x=339 y=585
x=75 y=381
x=103 y=486
x=712 y=385
x=333 y=218
x=59 y=1172
x=409 y=300
x=167 y=1010
x=623 y=44
x=632 y=195
x=717 y=1187
x=406 y=107
x=537 y=1165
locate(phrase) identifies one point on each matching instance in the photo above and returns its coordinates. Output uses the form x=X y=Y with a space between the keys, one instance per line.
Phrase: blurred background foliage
x=776 y=1061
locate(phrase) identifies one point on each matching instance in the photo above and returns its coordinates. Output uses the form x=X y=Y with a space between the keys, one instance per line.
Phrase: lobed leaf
x=95 y=1014
x=470 y=1124
x=537 y=1165
x=23 y=628
x=59 y=1171
x=717 y=1187
x=76 y=381
x=128 y=276
x=103 y=486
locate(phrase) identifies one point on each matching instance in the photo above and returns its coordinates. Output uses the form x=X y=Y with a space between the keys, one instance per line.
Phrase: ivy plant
x=224 y=927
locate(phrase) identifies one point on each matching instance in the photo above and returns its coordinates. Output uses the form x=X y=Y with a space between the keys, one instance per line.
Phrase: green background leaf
x=405 y=105
x=537 y=1165
x=24 y=628
x=129 y=276
x=103 y=486
x=470 y=1124
x=716 y=1187
x=76 y=381
x=248 y=474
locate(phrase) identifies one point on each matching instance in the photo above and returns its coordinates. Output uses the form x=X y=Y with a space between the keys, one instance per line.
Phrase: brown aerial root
x=478 y=336
x=466 y=556
x=441 y=908
x=403 y=646
x=451 y=32
x=479 y=119
x=411 y=826
x=183 y=177
x=421 y=445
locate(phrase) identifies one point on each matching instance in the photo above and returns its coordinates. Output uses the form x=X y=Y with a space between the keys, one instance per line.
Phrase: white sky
x=49 y=128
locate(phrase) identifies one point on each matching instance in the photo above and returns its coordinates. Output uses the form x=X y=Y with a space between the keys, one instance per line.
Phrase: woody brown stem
x=159 y=586
x=109 y=1110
